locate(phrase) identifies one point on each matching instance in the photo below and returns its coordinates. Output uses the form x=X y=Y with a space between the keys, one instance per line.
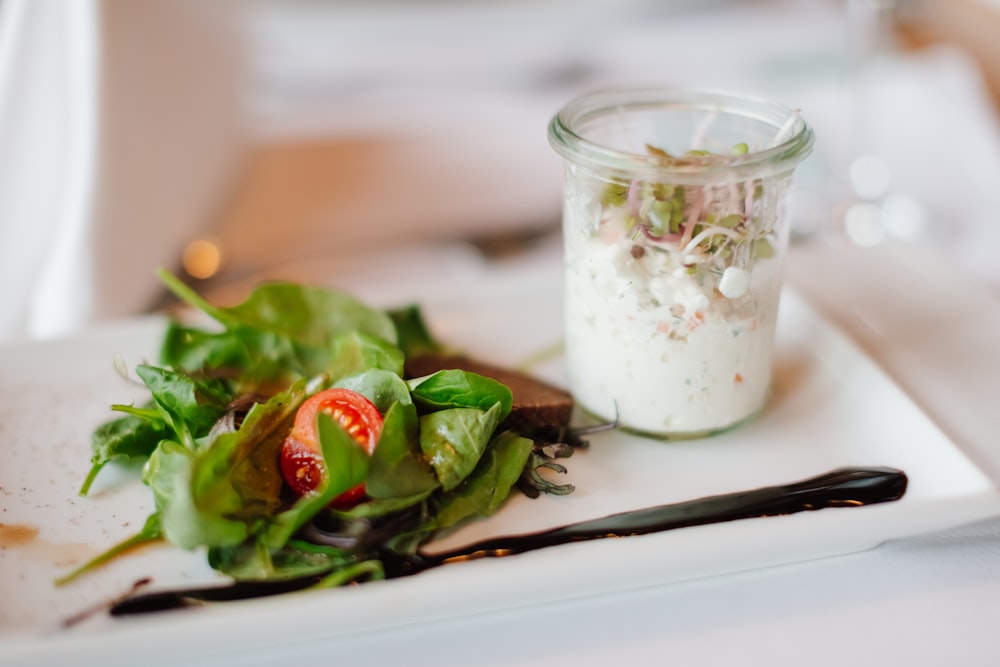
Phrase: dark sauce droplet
x=845 y=487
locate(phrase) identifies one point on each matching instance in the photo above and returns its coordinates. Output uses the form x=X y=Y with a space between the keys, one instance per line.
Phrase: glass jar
x=675 y=231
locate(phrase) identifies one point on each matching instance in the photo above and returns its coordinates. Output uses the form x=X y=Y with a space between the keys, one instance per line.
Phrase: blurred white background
x=316 y=131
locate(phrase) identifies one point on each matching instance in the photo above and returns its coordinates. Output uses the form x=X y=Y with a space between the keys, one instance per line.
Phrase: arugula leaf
x=131 y=437
x=455 y=388
x=190 y=407
x=180 y=407
x=454 y=440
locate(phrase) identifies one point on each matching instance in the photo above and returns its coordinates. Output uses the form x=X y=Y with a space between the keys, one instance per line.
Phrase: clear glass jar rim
x=794 y=144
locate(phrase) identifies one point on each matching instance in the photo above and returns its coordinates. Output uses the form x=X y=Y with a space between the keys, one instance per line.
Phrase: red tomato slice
x=301 y=458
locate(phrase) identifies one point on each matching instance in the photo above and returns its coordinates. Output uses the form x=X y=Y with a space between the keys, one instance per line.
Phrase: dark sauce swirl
x=845 y=487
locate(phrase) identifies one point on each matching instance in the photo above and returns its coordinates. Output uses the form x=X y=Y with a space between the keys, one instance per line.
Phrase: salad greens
x=224 y=397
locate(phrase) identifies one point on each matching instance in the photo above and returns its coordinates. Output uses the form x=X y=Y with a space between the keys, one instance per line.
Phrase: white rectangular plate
x=831 y=407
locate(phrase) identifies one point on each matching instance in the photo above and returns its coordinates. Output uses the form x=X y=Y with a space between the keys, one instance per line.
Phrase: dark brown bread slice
x=537 y=406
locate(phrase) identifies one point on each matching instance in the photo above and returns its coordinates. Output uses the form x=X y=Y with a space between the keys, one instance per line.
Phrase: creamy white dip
x=666 y=345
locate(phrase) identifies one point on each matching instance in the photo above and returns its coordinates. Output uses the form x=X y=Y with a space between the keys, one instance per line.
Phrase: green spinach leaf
x=311 y=315
x=384 y=388
x=414 y=335
x=190 y=407
x=353 y=353
x=243 y=464
x=128 y=437
x=191 y=350
x=184 y=522
x=398 y=467
x=456 y=388
x=252 y=561
x=454 y=440
x=488 y=486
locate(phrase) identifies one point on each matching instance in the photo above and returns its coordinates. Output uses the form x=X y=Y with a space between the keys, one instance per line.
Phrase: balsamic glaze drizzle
x=844 y=487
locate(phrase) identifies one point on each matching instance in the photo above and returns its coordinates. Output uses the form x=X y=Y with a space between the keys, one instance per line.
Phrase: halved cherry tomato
x=301 y=459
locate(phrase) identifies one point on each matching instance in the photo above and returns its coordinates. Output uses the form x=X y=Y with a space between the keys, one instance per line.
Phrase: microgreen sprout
x=710 y=227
